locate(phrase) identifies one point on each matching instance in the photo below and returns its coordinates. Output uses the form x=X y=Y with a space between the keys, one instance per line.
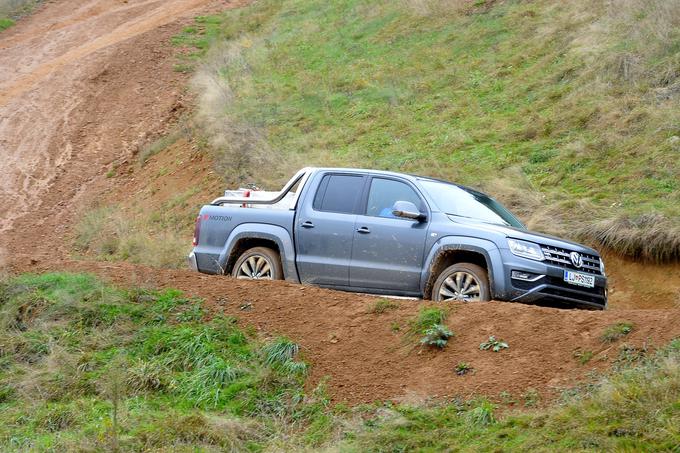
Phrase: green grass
x=88 y=367
x=567 y=111
x=428 y=317
x=74 y=350
x=5 y=23
x=616 y=332
x=383 y=306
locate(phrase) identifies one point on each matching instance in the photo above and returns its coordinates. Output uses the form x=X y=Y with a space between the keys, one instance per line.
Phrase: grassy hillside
x=567 y=111
x=88 y=367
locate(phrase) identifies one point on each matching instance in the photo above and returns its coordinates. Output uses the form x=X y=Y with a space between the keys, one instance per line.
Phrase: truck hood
x=525 y=235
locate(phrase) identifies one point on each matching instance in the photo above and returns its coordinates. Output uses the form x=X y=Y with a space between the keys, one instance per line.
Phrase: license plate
x=579 y=279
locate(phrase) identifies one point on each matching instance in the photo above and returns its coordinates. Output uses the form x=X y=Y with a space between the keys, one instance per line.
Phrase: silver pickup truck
x=395 y=234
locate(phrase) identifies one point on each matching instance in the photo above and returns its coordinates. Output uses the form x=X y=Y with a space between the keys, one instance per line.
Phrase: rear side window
x=339 y=193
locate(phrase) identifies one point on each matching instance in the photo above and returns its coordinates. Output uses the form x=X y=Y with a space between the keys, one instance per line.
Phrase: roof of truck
x=394 y=173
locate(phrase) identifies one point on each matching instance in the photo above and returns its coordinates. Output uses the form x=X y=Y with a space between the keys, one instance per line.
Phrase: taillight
x=197 y=231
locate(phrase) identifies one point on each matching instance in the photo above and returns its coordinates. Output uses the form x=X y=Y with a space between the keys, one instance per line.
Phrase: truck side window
x=338 y=193
x=385 y=192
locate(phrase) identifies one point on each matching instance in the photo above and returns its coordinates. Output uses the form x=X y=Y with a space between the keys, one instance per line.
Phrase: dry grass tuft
x=241 y=150
x=108 y=233
x=651 y=237
x=648 y=30
x=146 y=152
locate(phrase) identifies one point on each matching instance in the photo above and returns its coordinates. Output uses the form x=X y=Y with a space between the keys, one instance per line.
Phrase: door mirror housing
x=407 y=210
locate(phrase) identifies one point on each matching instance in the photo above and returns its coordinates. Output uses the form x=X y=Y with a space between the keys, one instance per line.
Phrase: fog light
x=525 y=276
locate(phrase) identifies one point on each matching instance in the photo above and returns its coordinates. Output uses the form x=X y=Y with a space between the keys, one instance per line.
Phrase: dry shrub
x=652 y=237
x=108 y=233
x=514 y=191
x=4 y=263
x=198 y=429
x=57 y=377
x=241 y=150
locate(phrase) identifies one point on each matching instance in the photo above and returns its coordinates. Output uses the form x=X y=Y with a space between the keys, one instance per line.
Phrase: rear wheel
x=258 y=263
x=465 y=282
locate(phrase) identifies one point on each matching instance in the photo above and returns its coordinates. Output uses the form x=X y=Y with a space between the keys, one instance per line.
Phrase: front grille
x=560 y=285
x=598 y=299
x=562 y=257
x=554 y=281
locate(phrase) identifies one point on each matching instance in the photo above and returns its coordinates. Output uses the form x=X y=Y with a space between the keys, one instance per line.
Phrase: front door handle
x=363 y=230
x=307 y=224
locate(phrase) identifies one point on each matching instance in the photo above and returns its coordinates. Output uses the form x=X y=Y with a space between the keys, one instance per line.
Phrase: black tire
x=258 y=263
x=455 y=280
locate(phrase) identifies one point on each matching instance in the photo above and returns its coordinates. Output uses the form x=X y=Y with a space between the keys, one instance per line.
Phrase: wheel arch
x=451 y=250
x=247 y=236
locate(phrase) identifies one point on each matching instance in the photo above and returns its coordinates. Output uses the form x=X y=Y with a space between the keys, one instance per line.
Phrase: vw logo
x=576 y=259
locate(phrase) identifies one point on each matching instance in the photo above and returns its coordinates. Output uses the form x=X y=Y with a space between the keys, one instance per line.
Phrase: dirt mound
x=368 y=356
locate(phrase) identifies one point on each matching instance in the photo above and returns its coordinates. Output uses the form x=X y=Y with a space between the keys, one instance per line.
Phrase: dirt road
x=82 y=84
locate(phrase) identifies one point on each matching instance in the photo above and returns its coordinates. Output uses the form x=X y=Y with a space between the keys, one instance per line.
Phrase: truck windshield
x=462 y=202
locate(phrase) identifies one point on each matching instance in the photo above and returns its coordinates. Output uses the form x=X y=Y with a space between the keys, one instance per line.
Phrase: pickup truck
x=389 y=233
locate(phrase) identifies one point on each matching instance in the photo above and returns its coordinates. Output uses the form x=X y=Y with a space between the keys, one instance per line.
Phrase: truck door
x=387 y=252
x=324 y=229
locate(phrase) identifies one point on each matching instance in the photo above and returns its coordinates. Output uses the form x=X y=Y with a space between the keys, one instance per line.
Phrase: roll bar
x=301 y=177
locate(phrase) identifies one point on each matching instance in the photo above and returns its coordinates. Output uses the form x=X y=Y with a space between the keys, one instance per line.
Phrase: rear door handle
x=307 y=224
x=363 y=230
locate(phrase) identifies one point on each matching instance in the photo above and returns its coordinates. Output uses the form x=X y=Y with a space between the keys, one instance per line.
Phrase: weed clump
x=616 y=332
x=583 y=357
x=383 y=305
x=428 y=317
x=463 y=368
x=651 y=237
x=430 y=322
x=493 y=344
x=482 y=414
x=437 y=336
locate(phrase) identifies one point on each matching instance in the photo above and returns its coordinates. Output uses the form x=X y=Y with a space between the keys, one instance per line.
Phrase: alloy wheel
x=461 y=286
x=256 y=267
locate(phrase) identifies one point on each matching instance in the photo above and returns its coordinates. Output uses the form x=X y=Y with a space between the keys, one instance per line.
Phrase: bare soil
x=85 y=84
x=366 y=356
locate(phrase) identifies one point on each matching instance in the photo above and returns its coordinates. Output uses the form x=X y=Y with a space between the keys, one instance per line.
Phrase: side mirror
x=407 y=210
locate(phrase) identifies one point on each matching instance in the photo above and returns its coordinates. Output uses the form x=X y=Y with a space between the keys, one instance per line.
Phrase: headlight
x=602 y=267
x=526 y=249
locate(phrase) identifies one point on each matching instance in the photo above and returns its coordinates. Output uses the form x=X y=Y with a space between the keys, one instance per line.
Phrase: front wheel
x=258 y=263
x=464 y=282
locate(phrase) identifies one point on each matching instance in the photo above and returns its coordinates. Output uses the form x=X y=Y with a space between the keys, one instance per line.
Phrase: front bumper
x=547 y=285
